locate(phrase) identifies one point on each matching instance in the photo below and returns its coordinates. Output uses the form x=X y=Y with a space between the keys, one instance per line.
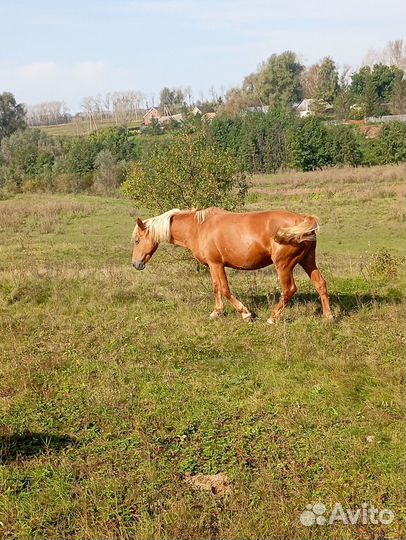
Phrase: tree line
x=32 y=160
x=256 y=126
x=377 y=88
x=279 y=139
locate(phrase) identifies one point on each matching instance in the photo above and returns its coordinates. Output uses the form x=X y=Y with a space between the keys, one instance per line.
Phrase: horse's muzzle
x=139 y=265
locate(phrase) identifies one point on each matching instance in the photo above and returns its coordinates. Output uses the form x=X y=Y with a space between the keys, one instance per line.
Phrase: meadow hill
x=125 y=411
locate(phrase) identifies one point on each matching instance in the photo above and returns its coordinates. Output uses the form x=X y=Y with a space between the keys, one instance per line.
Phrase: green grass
x=115 y=384
x=81 y=127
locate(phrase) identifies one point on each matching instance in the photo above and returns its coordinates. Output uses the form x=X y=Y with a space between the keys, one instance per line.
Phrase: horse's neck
x=183 y=230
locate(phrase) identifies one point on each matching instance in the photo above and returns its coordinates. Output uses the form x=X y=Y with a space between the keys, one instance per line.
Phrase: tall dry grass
x=41 y=213
x=336 y=175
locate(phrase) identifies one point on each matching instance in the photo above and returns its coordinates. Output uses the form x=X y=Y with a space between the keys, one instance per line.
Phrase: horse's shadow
x=27 y=445
x=342 y=302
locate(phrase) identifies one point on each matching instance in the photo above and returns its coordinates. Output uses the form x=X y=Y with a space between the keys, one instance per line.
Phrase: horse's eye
x=137 y=242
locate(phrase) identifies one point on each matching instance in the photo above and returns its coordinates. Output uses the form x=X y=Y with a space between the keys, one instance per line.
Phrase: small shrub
x=385 y=264
x=187 y=172
x=109 y=173
x=392 y=143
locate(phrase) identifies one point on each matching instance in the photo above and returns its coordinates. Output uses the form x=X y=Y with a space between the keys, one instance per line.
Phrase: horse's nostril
x=139 y=265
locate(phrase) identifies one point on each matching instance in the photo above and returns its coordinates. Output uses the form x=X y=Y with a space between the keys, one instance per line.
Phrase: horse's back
x=244 y=240
x=262 y=221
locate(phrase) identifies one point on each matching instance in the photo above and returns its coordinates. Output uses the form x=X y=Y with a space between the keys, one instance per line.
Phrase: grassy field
x=81 y=127
x=116 y=389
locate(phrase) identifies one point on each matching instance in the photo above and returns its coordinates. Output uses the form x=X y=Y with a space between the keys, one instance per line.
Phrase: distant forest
x=283 y=116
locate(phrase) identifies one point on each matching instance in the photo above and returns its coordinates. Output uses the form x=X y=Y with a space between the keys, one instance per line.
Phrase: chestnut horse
x=245 y=241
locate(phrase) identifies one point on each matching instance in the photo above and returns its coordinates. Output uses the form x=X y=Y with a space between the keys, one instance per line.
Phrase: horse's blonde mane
x=159 y=227
x=201 y=215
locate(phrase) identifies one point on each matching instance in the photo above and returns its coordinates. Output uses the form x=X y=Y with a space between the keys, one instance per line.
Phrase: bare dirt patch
x=218 y=484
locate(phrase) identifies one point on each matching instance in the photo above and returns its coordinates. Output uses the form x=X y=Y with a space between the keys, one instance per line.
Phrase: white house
x=307 y=106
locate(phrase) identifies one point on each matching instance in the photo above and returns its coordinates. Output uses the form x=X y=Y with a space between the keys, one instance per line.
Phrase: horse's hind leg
x=310 y=267
x=288 y=290
x=222 y=288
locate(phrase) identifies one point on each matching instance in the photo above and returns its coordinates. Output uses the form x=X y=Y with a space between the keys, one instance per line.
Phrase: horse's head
x=144 y=246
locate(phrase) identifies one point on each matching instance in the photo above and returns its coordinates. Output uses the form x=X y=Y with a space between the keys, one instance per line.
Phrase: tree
x=277 y=83
x=327 y=87
x=187 y=172
x=171 y=98
x=278 y=80
x=396 y=53
x=393 y=54
x=342 y=104
x=118 y=141
x=88 y=104
x=370 y=99
x=359 y=80
x=398 y=97
x=47 y=113
x=391 y=143
x=12 y=115
x=188 y=93
x=310 y=81
x=383 y=78
x=125 y=106
x=236 y=100
x=374 y=87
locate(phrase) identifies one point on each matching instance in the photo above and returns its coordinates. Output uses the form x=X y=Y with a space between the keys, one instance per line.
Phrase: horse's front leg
x=222 y=289
x=218 y=301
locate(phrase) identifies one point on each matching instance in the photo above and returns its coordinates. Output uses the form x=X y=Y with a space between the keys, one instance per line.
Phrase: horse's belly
x=249 y=266
x=240 y=252
x=248 y=260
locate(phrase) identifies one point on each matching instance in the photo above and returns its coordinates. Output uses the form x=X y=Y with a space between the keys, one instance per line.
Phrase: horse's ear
x=140 y=224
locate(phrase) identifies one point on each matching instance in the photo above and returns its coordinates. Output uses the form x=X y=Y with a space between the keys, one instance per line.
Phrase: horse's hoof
x=215 y=315
x=271 y=321
x=247 y=317
x=329 y=318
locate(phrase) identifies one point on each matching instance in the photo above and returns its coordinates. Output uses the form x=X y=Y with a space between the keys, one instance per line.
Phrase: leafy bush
x=31 y=160
x=118 y=141
x=187 y=172
x=310 y=145
x=344 y=146
x=26 y=154
x=392 y=143
x=81 y=155
x=109 y=172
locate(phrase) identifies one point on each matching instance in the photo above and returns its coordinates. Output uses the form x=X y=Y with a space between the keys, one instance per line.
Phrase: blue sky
x=67 y=50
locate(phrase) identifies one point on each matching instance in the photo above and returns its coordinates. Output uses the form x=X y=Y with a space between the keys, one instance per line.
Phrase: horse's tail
x=305 y=231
